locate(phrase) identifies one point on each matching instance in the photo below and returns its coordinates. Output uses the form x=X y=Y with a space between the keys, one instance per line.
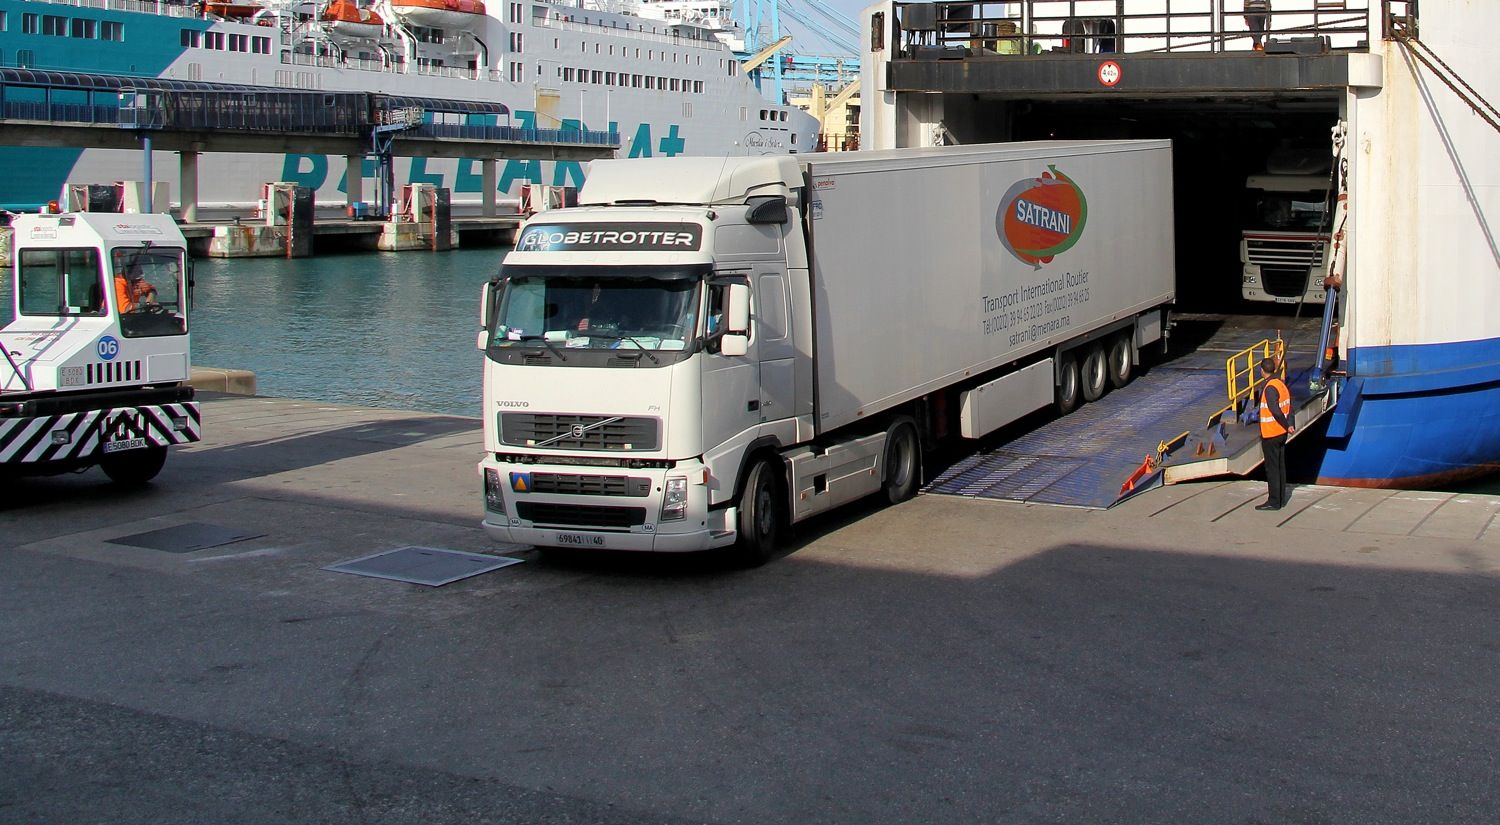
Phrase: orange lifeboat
x=344 y=17
x=440 y=14
x=230 y=9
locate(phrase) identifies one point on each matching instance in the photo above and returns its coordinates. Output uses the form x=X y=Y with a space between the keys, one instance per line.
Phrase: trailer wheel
x=1094 y=373
x=1067 y=383
x=1121 y=363
x=761 y=515
x=133 y=468
x=902 y=464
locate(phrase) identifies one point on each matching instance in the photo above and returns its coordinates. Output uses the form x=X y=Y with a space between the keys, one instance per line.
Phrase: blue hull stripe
x=1416 y=416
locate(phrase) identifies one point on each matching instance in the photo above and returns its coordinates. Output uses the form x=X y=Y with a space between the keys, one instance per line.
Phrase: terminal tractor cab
x=96 y=361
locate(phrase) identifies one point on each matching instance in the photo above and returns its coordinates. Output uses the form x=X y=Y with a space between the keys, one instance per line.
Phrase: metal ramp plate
x=1082 y=459
x=422 y=565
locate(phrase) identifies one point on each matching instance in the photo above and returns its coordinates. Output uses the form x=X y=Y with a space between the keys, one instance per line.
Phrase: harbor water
x=394 y=330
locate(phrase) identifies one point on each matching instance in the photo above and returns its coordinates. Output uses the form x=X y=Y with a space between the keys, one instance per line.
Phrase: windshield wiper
x=638 y=345
x=545 y=343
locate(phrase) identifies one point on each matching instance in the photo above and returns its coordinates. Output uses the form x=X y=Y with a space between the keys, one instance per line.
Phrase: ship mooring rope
x=1449 y=77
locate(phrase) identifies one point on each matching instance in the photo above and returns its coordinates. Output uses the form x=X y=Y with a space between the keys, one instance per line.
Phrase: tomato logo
x=1042 y=217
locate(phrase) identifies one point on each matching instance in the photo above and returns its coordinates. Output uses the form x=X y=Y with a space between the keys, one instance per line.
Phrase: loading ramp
x=1097 y=455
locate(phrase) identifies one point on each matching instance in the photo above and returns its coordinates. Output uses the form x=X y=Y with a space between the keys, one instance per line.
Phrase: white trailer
x=95 y=362
x=706 y=351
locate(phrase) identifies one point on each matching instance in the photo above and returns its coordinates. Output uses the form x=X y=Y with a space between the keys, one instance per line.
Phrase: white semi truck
x=1286 y=235
x=708 y=350
x=95 y=361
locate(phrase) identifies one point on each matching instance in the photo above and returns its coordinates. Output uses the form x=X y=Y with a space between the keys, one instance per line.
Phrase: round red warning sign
x=1109 y=73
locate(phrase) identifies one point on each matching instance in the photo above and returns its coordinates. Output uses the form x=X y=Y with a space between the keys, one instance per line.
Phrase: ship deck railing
x=1049 y=27
x=145 y=6
x=710 y=44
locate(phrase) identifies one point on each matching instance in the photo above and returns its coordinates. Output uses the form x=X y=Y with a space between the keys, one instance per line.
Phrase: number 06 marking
x=108 y=348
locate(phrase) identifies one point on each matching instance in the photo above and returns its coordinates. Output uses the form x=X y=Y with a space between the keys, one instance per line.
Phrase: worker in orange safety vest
x=1275 y=425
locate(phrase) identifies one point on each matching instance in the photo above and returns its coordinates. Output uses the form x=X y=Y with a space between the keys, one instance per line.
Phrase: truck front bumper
x=538 y=504
x=82 y=436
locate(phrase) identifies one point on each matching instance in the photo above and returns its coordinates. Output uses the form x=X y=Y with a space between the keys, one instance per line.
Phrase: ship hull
x=1416 y=416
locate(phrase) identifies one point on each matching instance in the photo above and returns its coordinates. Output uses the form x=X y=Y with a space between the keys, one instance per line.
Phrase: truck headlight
x=494 y=492
x=674 y=503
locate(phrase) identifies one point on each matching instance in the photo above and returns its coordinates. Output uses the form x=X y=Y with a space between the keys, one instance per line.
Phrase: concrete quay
x=1180 y=658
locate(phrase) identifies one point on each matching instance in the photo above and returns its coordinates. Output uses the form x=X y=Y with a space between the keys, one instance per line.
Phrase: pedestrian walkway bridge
x=44 y=108
x=1166 y=426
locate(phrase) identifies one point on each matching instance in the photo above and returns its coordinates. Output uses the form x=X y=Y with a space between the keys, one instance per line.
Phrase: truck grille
x=1285 y=262
x=567 y=515
x=577 y=485
x=579 y=432
x=1283 y=282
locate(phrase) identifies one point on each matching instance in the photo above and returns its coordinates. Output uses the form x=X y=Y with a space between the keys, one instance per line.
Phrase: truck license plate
x=120 y=446
x=579 y=540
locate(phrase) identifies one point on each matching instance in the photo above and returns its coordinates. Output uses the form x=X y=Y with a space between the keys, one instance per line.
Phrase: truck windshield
x=148 y=290
x=575 y=310
x=1290 y=211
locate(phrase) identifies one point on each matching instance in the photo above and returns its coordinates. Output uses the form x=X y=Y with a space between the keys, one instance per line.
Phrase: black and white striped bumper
x=73 y=436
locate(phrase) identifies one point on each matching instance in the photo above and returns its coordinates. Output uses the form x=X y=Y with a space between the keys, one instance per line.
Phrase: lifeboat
x=440 y=14
x=343 y=17
x=230 y=9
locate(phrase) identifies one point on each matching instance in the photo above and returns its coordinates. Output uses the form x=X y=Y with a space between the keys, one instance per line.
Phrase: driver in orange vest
x=1275 y=426
x=132 y=290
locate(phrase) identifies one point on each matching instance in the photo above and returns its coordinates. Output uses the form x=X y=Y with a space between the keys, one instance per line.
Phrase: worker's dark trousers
x=1275 y=451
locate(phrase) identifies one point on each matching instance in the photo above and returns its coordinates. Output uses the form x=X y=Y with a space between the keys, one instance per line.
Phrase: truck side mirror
x=486 y=310
x=737 y=316
x=486 y=296
x=734 y=344
x=767 y=210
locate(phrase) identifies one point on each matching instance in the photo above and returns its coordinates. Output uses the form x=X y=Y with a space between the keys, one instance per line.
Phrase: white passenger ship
x=664 y=75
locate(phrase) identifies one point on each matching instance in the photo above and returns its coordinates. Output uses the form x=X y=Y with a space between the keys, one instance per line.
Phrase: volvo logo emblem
x=578 y=431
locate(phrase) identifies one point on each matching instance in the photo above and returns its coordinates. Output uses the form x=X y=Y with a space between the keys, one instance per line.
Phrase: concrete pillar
x=354 y=179
x=487 y=186
x=187 y=176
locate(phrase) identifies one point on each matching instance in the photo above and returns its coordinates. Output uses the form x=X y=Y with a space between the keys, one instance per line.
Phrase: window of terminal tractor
x=61 y=282
x=148 y=290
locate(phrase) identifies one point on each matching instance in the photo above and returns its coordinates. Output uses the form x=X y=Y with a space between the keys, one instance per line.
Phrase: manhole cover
x=185 y=538
x=422 y=565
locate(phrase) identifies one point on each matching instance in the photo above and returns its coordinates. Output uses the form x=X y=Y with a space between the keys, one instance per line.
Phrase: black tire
x=761 y=515
x=902 y=467
x=1121 y=361
x=1093 y=373
x=133 y=468
x=1068 y=391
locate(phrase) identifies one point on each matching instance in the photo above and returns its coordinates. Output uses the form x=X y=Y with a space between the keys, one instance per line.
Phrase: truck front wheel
x=901 y=462
x=132 y=468
x=760 y=515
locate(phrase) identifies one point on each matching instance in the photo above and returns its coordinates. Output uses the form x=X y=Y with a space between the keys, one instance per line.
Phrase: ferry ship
x=662 y=74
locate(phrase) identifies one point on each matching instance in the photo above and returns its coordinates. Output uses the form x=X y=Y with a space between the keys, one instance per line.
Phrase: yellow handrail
x=1240 y=368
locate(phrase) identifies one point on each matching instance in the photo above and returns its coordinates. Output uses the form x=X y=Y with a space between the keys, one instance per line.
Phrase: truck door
x=731 y=386
x=774 y=348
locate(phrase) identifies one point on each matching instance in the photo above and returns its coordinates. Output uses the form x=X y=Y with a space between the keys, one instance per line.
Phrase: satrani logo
x=1040 y=218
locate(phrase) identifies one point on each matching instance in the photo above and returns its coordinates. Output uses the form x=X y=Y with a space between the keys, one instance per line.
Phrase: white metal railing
x=550 y=22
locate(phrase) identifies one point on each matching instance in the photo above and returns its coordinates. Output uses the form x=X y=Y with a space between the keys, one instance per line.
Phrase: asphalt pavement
x=1180 y=658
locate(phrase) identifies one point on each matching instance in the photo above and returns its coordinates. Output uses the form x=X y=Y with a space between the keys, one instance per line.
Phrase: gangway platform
x=1085 y=459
